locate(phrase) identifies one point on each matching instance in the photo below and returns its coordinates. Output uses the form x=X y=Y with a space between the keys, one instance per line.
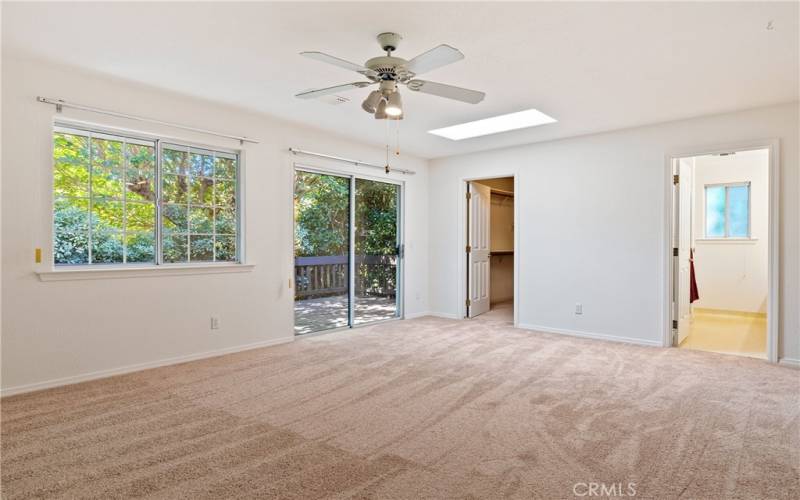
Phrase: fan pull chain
x=397 y=139
x=387 y=147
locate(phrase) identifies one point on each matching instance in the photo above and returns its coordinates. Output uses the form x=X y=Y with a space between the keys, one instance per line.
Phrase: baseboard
x=85 y=377
x=790 y=362
x=444 y=315
x=591 y=335
x=746 y=314
x=417 y=315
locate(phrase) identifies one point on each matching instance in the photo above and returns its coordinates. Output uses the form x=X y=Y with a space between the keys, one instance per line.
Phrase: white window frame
x=83 y=271
x=726 y=235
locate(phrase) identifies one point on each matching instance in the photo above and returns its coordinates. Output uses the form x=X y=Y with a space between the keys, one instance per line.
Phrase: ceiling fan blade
x=434 y=58
x=448 y=91
x=310 y=94
x=319 y=56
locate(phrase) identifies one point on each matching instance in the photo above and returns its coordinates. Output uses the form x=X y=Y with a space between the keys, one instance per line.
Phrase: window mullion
x=91 y=198
x=124 y=201
x=158 y=254
x=214 y=207
x=189 y=180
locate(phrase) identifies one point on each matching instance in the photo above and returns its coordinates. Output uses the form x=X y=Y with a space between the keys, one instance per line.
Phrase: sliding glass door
x=321 y=252
x=377 y=248
x=347 y=246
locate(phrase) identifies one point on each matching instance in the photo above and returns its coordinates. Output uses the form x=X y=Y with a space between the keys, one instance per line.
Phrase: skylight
x=494 y=125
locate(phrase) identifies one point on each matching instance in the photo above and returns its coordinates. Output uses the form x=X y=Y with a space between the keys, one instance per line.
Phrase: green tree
x=108 y=186
x=321 y=213
x=322 y=219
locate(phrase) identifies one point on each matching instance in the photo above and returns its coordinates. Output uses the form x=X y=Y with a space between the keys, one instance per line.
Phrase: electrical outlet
x=214 y=323
x=578 y=308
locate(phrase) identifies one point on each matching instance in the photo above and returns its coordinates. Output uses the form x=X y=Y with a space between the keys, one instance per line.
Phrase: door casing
x=462 y=293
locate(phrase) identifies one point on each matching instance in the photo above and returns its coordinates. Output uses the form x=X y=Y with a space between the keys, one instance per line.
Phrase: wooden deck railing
x=323 y=276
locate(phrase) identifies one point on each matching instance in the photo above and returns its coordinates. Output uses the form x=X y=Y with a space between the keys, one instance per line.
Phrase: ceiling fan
x=388 y=71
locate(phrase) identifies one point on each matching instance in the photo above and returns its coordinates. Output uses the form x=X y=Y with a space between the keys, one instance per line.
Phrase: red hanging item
x=693 y=293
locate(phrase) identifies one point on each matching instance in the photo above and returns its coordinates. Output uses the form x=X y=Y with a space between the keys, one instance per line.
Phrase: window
x=728 y=210
x=126 y=200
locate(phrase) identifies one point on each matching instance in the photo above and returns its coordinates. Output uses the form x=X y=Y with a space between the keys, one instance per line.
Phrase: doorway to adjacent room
x=721 y=252
x=490 y=235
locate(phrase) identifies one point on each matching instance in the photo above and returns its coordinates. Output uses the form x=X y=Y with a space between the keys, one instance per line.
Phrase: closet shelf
x=501 y=252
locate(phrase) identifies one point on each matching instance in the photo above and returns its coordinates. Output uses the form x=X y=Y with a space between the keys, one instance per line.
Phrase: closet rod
x=500 y=192
x=60 y=104
x=357 y=163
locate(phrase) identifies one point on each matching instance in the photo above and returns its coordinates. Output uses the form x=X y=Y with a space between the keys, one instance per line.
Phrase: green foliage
x=321 y=212
x=376 y=218
x=322 y=218
x=110 y=184
x=72 y=230
x=72 y=244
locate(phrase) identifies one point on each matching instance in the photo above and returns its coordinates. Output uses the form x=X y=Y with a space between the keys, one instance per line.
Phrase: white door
x=479 y=214
x=685 y=187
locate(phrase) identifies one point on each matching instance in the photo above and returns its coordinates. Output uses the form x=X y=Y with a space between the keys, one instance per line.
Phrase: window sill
x=726 y=240
x=98 y=273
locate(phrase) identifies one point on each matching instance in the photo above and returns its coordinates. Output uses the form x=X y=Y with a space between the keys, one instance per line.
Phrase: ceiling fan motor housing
x=389 y=67
x=389 y=41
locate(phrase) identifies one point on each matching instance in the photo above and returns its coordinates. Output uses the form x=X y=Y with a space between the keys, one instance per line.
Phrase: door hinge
x=469 y=195
x=674 y=252
x=468 y=303
x=469 y=249
x=674 y=324
x=676 y=179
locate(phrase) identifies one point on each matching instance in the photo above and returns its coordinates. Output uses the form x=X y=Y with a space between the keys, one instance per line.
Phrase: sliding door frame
x=400 y=294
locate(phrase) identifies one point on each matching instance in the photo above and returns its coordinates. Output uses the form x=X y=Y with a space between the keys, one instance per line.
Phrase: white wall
x=591 y=223
x=61 y=331
x=732 y=275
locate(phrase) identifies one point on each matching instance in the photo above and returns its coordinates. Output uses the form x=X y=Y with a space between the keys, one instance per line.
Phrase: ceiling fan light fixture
x=380 y=112
x=370 y=104
x=394 y=106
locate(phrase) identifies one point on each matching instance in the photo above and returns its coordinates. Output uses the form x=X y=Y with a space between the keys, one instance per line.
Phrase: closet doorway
x=490 y=263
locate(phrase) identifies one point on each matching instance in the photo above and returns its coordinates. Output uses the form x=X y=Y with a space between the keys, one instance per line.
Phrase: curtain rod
x=60 y=104
x=357 y=163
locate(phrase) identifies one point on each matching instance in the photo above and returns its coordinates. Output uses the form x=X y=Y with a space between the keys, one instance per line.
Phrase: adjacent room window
x=728 y=210
x=108 y=190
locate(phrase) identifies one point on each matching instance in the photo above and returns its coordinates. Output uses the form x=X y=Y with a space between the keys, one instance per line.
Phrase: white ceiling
x=592 y=66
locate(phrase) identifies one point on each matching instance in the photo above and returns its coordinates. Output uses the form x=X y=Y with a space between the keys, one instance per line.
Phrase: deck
x=317 y=314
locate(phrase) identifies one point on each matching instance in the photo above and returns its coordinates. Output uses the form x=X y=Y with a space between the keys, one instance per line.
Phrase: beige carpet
x=428 y=408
